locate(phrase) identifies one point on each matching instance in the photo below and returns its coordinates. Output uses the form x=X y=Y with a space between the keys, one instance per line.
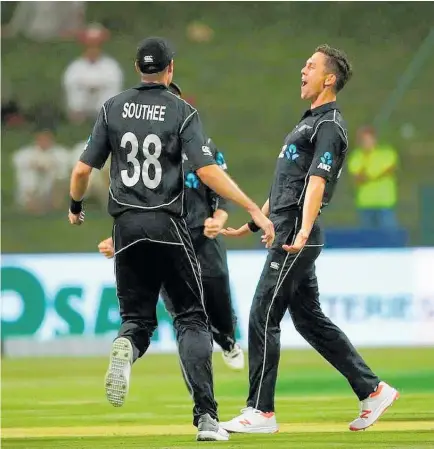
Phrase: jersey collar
x=148 y=86
x=321 y=109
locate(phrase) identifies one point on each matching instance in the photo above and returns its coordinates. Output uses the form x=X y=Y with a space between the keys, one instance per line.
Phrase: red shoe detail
x=355 y=429
x=267 y=414
x=245 y=422
x=377 y=392
x=365 y=413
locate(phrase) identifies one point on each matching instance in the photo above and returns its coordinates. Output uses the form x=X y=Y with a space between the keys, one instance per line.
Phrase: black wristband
x=76 y=206
x=253 y=226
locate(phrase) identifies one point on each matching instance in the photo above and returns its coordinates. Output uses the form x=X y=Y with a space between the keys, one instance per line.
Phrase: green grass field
x=60 y=403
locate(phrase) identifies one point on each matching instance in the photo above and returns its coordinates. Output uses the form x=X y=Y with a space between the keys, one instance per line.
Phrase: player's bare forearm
x=312 y=202
x=245 y=229
x=311 y=207
x=216 y=179
x=266 y=208
x=79 y=180
x=221 y=215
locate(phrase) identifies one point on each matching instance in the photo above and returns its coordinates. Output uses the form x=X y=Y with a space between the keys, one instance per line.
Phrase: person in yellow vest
x=374 y=169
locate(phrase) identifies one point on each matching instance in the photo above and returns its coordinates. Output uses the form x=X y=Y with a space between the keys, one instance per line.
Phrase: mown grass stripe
x=78 y=431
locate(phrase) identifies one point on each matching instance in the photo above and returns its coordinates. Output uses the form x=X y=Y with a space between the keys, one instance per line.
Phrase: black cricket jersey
x=316 y=146
x=201 y=201
x=146 y=129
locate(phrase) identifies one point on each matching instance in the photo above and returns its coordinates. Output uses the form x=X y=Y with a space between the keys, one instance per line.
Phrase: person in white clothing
x=46 y=21
x=41 y=172
x=92 y=79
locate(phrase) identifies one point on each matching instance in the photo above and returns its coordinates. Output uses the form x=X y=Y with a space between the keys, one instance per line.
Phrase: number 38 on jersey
x=129 y=141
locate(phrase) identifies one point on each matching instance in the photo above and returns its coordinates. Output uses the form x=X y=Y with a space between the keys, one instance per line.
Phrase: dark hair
x=338 y=64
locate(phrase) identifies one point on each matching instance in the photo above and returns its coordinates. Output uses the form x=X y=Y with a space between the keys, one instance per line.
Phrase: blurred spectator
x=11 y=111
x=42 y=21
x=99 y=179
x=91 y=79
x=41 y=171
x=11 y=114
x=374 y=169
x=199 y=32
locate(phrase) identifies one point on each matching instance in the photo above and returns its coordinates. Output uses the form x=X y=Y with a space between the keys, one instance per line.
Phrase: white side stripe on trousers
x=194 y=254
x=198 y=279
x=276 y=290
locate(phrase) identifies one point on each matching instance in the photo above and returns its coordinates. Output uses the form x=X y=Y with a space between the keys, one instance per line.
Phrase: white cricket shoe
x=374 y=406
x=252 y=421
x=234 y=359
x=209 y=429
x=117 y=379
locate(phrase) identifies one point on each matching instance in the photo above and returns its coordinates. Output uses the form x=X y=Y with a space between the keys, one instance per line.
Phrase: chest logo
x=326 y=162
x=206 y=151
x=303 y=127
x=290 y=152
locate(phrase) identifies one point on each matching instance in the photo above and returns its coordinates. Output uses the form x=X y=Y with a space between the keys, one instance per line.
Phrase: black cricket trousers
x=154 y=250
x=288 y=282
x=211 y=255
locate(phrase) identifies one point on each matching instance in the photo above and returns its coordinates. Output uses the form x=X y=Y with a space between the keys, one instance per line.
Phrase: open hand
x=299 y=242
x=240 y=232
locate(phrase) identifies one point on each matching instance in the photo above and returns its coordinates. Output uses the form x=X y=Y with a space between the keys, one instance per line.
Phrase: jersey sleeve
x=330 y=144
x=97 y=148
x=218 y=202
x=194 y=142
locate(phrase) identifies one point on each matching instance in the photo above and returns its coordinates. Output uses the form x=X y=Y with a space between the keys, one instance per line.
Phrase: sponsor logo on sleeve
x=326 y=162
x=220 y=159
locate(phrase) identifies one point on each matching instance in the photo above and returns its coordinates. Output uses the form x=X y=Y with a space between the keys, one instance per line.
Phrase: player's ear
x=136 y=65
x=170 y=69
x=330 y=80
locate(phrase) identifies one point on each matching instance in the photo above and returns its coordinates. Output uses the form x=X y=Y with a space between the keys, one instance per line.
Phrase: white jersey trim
x=146 y=240
x=311 y=139
x=105 y=114
x=180 y=194
x=186 y=120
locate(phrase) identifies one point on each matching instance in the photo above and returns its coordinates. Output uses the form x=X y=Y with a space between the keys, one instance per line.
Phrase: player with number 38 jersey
x=148 y=125
x=206 y=215
x=147 y=130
